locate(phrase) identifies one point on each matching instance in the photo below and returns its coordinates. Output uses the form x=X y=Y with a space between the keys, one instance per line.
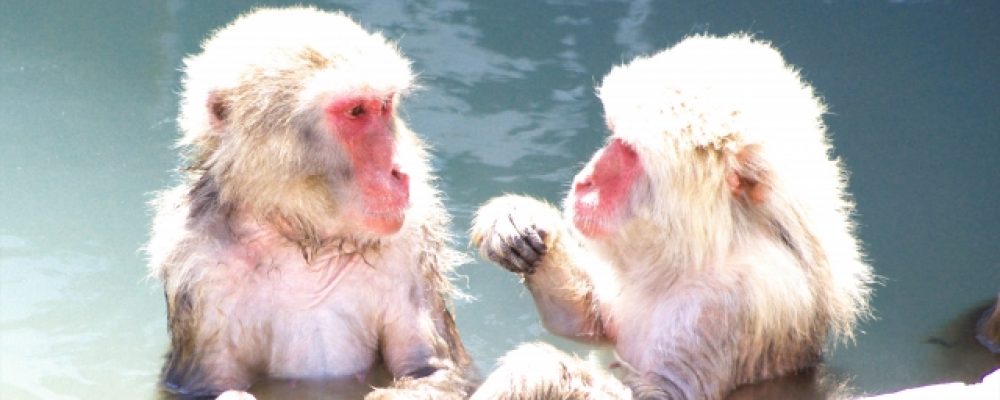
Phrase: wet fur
x=262 y=274
x=738 y=259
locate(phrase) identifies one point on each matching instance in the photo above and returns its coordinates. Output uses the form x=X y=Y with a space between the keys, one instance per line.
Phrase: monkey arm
x=565 y=295
x=201 y=361
x=422 y=350
x=692 y=347
x=529 y=237
x=540 y=371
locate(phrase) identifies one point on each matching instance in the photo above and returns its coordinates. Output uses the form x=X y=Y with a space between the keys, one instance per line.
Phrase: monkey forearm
x=424 y=355
x=568 y=318
x=529 y=237
x=565 y=297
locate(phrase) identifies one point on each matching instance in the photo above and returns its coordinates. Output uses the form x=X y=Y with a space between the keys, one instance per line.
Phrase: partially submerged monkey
x=709 y=241
x=306 y=239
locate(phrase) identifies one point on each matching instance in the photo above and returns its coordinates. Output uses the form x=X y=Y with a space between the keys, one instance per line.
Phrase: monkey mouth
x=591 y=225
x=593 y=213
x=384 y=222
x=602 y=191
x=385 y=214
x=384 y=200
x=590 y=215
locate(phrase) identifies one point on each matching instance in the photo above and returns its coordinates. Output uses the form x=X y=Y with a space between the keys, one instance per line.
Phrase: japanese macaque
x=709 y=241
x=306 y=239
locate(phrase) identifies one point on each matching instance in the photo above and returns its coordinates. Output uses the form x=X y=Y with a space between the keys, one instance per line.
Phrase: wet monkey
x=709 y=241
x=306 y=239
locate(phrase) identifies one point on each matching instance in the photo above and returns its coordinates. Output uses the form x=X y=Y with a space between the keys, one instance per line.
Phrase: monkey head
x=295 y=114
x=705 y=137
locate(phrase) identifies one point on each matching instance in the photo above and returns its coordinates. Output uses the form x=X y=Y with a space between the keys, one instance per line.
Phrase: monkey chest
x=333 y=342
x=299 y=320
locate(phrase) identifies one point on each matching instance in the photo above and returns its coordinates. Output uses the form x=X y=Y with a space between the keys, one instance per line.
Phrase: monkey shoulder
x=168 y=228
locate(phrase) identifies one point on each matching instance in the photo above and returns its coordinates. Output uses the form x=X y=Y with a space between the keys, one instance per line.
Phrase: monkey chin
x=384 y=223
x=592 y=215
x=590 y=227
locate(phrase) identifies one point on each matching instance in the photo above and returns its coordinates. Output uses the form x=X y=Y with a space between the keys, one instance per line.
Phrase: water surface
x=88 y=101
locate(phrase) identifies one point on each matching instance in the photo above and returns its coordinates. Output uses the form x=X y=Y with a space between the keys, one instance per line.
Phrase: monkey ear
x=218 y=110
x=748 y=178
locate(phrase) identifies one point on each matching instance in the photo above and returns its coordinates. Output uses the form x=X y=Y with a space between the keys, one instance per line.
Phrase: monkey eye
x=357 y=111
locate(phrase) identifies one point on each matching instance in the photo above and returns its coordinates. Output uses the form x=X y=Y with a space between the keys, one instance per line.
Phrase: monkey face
x=304 y=126
x=600 y=194
x=364 y=127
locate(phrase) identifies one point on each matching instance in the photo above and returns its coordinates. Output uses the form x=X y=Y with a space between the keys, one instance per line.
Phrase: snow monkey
x=306 y=239
x=709 y=241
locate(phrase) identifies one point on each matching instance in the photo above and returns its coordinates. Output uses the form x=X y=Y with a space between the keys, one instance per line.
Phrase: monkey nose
x=398 y=175
x=583 y=185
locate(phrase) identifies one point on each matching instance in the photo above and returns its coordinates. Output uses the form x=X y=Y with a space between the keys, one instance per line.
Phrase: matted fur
x=263 y=273
x=738 y=256
x=537 y=371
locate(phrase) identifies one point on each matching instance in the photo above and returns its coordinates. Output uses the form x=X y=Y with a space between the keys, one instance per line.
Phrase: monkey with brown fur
x=307 y=239
x=709 y=241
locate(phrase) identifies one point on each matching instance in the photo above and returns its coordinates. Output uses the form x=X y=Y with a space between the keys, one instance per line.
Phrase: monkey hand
x=515 y=232
x=415 y=393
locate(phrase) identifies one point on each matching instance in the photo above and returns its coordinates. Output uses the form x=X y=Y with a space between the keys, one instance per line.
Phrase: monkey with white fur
x=307 y=239
x=709 y=241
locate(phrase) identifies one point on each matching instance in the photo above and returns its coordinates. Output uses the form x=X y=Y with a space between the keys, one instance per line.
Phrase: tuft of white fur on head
x=267 y=42
x=708 y=97
x=706 y=89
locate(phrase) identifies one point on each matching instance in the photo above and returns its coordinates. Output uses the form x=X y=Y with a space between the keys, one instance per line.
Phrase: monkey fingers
x=510 y=261
x=493 y=248
x=517 y=250
x=530 y=243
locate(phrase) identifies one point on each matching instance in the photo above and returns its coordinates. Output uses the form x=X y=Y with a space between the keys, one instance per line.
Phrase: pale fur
x=702 y=289
x=537 y=366
x=263 y=274
x=725 y=94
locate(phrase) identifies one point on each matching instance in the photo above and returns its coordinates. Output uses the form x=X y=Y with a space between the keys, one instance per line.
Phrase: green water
x=88 y=101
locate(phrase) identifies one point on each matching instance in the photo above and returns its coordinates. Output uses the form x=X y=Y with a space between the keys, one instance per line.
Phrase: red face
x=364 y=126
x=600 y=198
